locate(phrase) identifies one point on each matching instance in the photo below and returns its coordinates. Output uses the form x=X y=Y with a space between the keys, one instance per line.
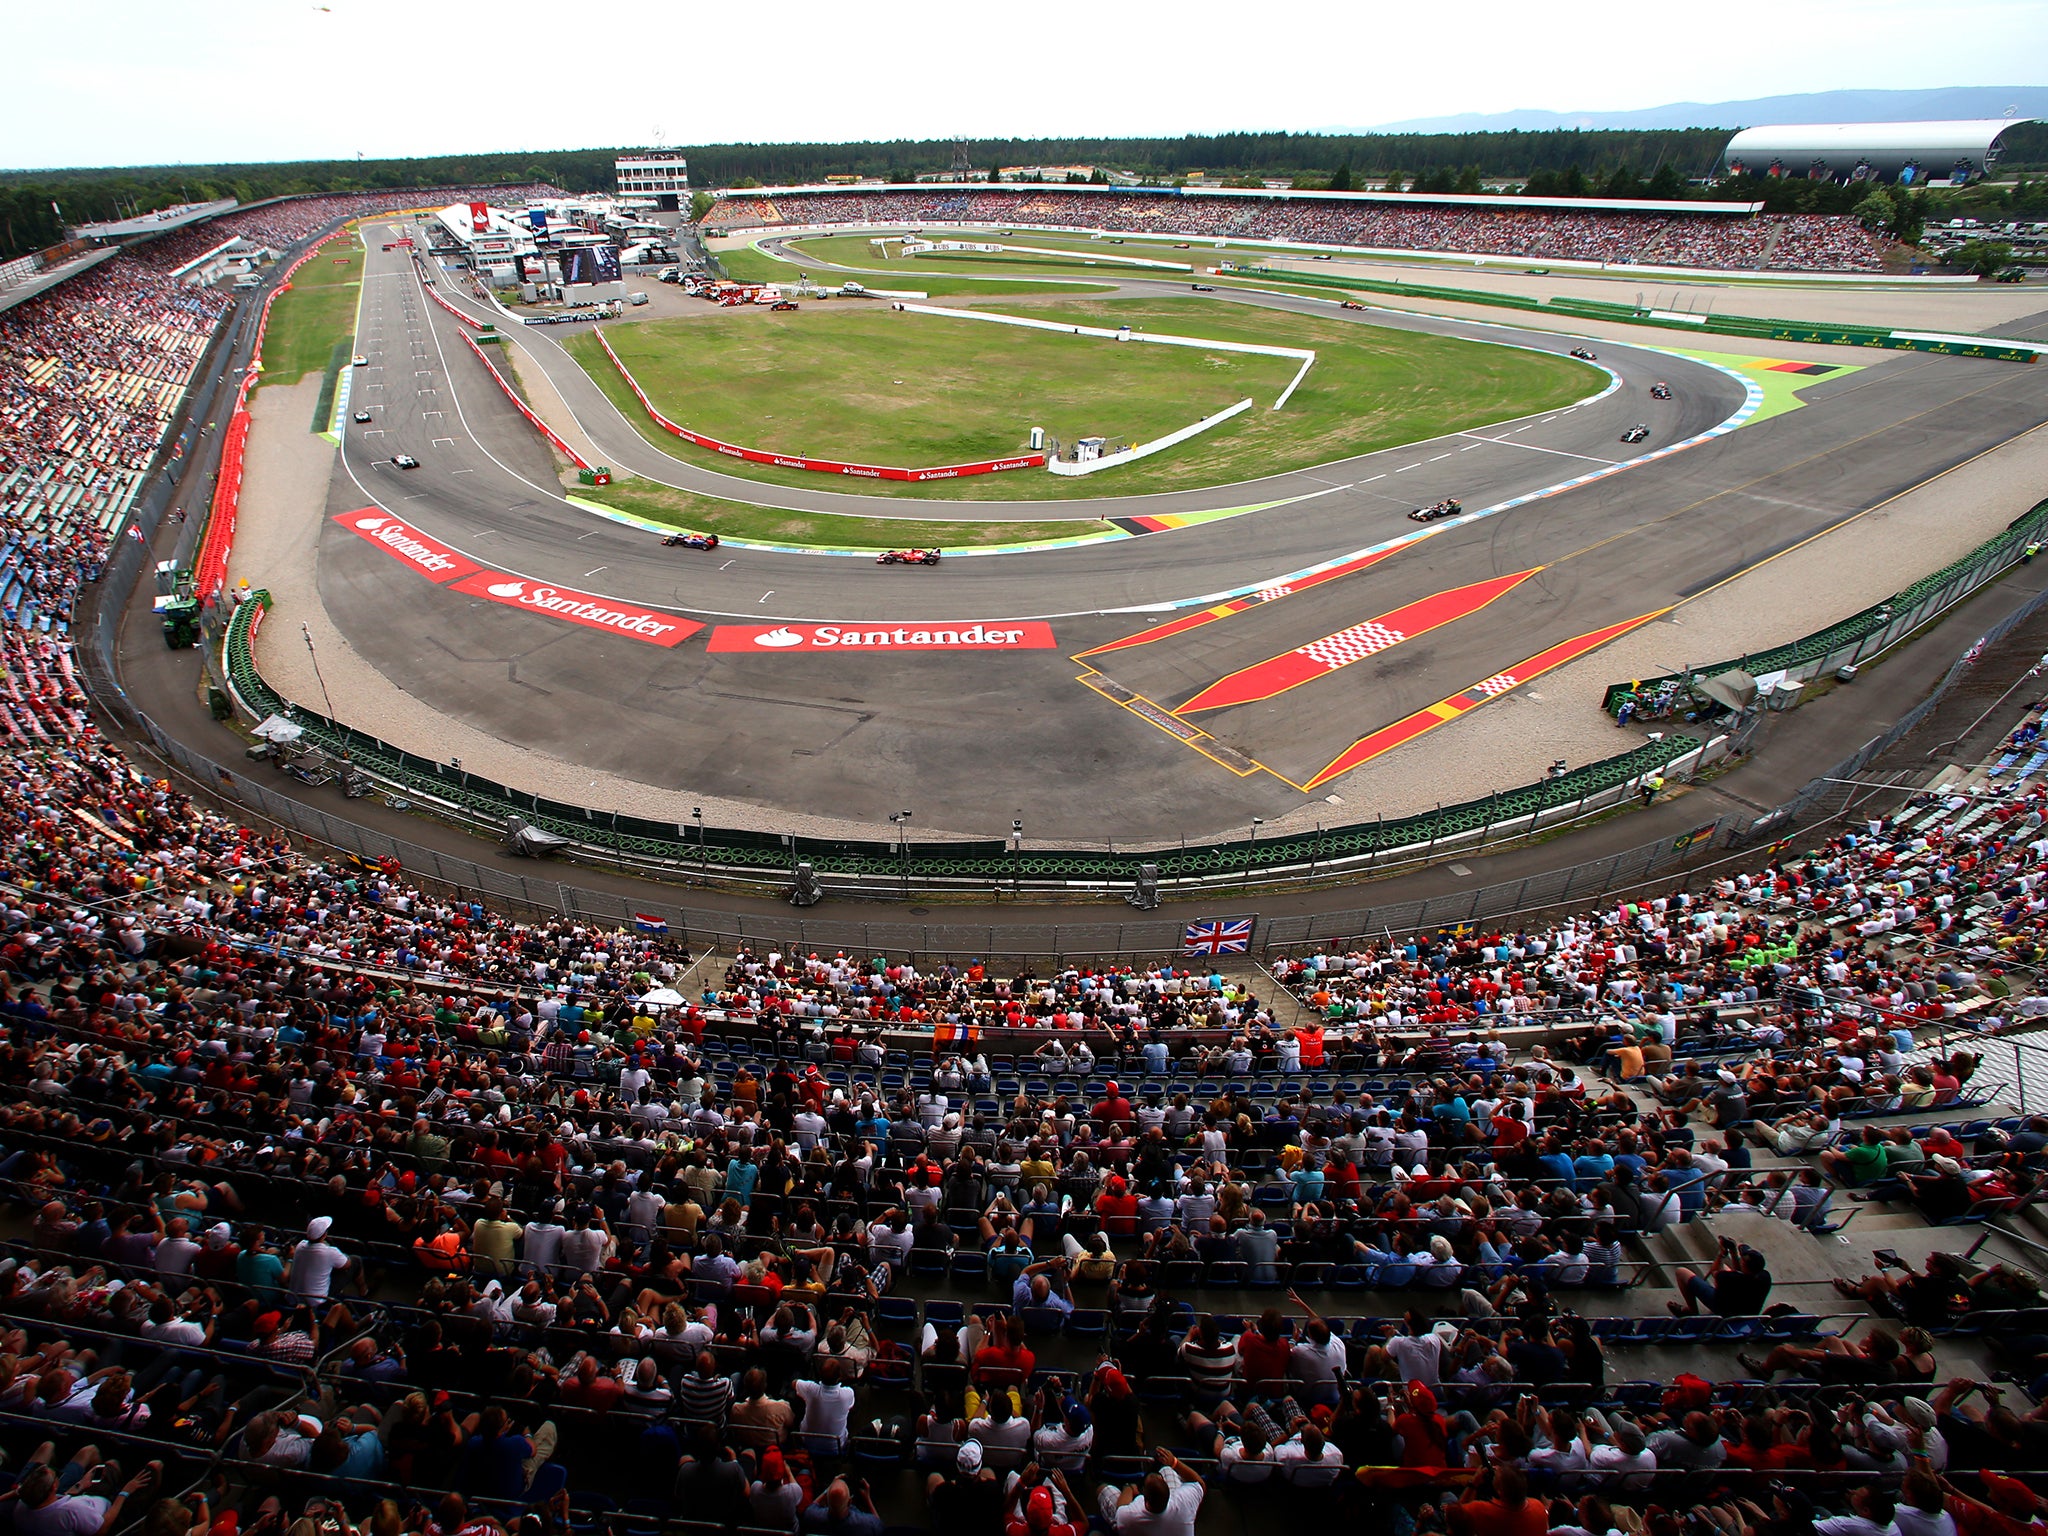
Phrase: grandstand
x=1732 y=236
x=339 y=1198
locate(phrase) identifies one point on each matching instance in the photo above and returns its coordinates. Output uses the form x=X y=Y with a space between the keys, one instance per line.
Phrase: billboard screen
x=590 y=264
x=538 y=218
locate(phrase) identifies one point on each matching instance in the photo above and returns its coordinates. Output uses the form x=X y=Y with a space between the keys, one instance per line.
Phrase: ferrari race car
x=908 y=557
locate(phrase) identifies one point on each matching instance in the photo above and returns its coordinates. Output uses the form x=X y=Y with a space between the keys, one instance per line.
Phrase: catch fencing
x=1861 y=636
x=1670 y=863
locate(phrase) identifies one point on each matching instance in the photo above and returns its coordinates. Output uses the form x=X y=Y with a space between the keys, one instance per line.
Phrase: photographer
x=1737 y=1286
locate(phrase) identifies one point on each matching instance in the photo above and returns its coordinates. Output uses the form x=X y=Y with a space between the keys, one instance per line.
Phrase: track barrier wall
x=1749 y=327
x=822 y=466
x=217 y=539
x=1854 y=640
x=523 y=408
x=680 y=850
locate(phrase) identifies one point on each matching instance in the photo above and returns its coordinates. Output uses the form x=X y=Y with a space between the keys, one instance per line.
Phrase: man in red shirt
x=591 y=1388
x=1264 y=1350
x=1035 y=1512
x=1117 y=1207
x=1113 y=1107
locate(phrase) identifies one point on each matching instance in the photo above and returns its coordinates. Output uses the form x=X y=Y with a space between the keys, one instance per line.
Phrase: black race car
x=1585 y=354
x=1636 y=433
x=1660 y=391
x=1450 y=506
x=690 y=541
x=362 y=416
x=404 y=461
x=1349 y=304
x=908 y=557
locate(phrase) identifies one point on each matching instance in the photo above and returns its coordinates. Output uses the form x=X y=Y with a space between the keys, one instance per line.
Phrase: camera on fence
x=804 y=889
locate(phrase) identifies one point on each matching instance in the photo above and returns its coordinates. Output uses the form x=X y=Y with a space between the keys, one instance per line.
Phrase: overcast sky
x=139 y=82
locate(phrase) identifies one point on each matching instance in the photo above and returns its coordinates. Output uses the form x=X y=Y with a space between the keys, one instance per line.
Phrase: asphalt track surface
x=969 y=739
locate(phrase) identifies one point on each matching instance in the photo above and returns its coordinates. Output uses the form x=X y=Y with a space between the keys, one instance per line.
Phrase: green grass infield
x=868 y=384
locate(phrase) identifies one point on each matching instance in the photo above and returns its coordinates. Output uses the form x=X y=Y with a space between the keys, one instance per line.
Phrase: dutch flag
x=648 y=924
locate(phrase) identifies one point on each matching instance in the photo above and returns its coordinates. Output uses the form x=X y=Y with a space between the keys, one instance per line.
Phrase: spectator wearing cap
x=1035 y=1510
x=315 y=1262
x=968 y=1496
x=776 y=1495
x=1112 y=1108
x=1064 y=1442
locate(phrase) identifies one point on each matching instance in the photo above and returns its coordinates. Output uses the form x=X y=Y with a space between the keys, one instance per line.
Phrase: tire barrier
x=821 y=466
x=522 y=407
x=1850 y=641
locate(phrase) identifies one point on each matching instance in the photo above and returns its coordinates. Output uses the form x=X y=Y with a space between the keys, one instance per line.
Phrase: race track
x=969 y=738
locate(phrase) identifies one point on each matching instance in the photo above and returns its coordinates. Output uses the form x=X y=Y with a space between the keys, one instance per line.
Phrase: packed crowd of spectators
x=355 y=1187
x=1796 y=242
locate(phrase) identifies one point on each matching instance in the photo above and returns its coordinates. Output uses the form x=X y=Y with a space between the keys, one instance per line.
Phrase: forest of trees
x=1563 y=162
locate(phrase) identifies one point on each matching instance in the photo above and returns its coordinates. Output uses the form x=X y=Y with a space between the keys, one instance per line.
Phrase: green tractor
x=176 y=605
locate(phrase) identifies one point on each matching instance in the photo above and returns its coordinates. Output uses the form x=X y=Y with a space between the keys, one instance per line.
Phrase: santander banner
x=606 y=613
x=923 y=635
x=429 y=556
x=479 y=217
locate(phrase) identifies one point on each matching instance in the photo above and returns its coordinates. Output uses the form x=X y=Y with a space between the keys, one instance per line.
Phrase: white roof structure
x=1837 y=149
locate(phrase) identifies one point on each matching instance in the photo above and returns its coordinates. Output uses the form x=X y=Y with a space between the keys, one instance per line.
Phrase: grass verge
x=771 y=525
x=318 y=312
x=330 y=381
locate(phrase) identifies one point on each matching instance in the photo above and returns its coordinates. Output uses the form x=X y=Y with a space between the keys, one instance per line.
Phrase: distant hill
x=1958 y=101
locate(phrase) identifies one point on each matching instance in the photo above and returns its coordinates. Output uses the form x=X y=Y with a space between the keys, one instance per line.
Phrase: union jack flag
x=1217 y=936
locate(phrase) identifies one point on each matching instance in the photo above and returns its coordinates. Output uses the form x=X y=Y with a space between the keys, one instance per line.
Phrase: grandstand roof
x=44 y=281
x=162 y=222
x=1479 y=200
x=1886 y=147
